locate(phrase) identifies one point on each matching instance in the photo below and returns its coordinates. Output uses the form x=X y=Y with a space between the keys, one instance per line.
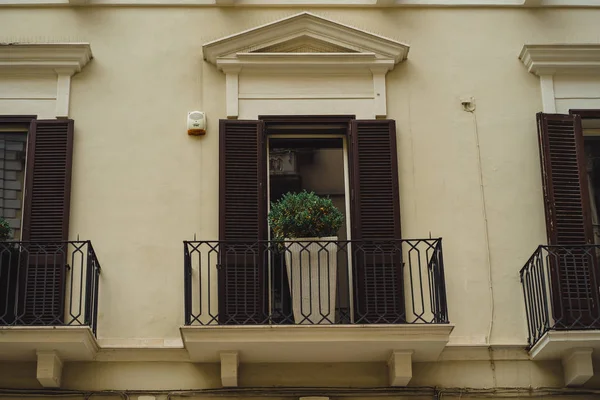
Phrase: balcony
x=562 y=299
x=315 y=301
x=48 y=304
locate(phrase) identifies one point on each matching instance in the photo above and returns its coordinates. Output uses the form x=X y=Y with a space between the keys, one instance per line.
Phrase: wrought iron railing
x=314 y=282
x=49 y=284
x=560 y=287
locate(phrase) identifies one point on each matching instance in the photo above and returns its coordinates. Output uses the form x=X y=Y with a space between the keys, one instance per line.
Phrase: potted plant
x=308 y=226
x=5 y=230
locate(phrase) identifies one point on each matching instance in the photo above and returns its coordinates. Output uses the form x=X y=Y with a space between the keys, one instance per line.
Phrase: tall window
x=374 y=209
x=35 y=183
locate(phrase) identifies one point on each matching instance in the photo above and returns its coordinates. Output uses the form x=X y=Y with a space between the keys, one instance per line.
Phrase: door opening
x=319 y=164
x=591 y=136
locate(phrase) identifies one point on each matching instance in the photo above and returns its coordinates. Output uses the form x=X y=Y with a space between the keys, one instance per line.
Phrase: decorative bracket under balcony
x=50 y=346
x=573 y=348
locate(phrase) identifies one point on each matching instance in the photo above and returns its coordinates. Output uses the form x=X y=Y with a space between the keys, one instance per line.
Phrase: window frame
x=364 y=138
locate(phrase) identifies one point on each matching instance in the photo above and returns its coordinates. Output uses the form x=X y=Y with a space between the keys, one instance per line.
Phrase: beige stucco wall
x=141 y=185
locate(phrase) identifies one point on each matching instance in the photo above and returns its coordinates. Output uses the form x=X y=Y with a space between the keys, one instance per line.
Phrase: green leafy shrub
x=5 y=230
x=304 y=214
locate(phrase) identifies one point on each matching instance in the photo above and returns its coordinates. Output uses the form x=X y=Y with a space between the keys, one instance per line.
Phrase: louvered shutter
x=243 y=222
x=46 y=219
x=377 y=258
x=568 y=222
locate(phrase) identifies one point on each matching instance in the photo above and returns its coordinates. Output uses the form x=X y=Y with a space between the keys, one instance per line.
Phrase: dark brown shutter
x=376 y=222
x=565 y=184
x=46 y=219
x=568 y=221
x=243 y=222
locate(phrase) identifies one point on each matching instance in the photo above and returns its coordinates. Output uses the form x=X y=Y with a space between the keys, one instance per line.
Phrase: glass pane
x=12 y=176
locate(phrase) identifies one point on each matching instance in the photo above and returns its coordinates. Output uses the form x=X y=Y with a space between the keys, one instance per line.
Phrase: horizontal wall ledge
x=321 y=343
x=349 y=393
x=312 y=3
x=496 y=352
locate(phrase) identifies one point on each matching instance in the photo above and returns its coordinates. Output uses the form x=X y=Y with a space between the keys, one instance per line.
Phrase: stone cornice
x=44 y=58
x=552 y=59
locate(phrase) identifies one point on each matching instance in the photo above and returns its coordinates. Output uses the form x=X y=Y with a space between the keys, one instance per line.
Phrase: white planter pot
x=312 y=276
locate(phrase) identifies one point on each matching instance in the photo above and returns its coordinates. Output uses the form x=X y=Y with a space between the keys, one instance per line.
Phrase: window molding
x=305 y=43
x=552 y=59
x=549 y=60
x=62 y=60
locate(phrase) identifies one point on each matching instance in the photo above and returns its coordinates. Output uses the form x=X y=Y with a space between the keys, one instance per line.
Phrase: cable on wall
x=469 y=106
x=434 y=393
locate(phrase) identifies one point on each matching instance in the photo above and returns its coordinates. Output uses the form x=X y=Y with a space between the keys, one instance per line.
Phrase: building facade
x=143 y=143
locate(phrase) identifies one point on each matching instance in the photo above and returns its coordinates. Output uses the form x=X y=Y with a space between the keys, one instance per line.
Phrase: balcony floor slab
x=71 y=343
x=553 y=345
x=315 y=343
x=573 y=348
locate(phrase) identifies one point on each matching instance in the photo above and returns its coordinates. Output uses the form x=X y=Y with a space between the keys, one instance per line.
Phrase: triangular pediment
x=305 y=36
x=305 y=44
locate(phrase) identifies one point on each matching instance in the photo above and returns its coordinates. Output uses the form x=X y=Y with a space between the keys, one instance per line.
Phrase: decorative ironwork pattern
x=560 y=289
x=314 y=282
x=49 y=284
